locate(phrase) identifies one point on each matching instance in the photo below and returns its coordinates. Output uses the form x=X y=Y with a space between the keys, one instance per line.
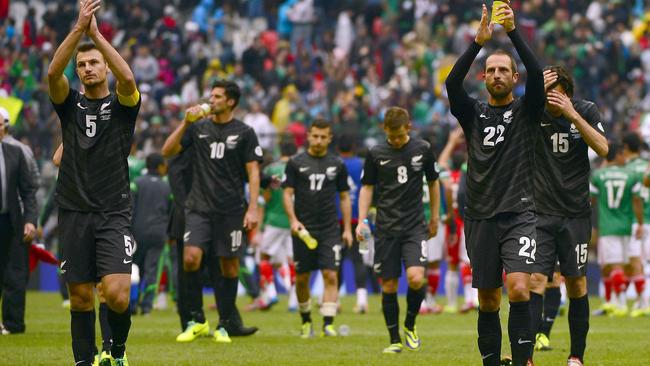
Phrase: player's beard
x=499 y=93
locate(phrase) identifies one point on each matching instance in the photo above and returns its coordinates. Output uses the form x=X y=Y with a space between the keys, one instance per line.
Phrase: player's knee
x=519 y=291
x=576 y=287
x=330 y=278
x=230 y=267
x=191 y=261
x=389 y=286
x=81 y=302
x=119 y=303
x=415 y=280
x=538 y=283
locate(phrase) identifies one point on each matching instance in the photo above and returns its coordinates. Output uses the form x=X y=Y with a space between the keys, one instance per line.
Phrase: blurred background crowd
x=344 y=60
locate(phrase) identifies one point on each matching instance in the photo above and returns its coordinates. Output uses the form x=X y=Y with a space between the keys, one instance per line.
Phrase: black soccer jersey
x=97 y=136
x=500 y=140
x=397 y=175
x=562 y=172
x=316 y=182
x=221 y=151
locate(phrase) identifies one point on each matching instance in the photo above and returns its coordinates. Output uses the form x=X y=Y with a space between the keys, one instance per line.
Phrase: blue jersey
x=354 y=165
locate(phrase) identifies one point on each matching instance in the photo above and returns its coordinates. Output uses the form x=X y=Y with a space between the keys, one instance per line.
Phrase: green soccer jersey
x=613 y=186
x=444 y=175
x=274 y=214
x=638 y=166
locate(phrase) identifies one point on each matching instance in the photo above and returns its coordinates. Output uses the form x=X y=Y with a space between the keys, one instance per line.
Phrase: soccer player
x=500 y=211
x=394 y=169
x=312 y=180
x=638 y=247
x=92 y=189
x=226 y=154
x=618 y=201
x=567 y=129
x=276 y=247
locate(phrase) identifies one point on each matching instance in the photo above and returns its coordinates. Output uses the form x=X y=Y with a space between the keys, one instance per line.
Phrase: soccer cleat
x=573 y=361
x=393 y=349
x=96 y=361
x=412 y=339
x=329 y=331
x=360 y=309
x=221 y=336
x=307 y=330
x=619 y=312
x=604 y=309
x=637 y=313
x=104 y=359
x=467 y=308
x=193 y=331
x=542 y=343
x=506 y=361
x=121 y=361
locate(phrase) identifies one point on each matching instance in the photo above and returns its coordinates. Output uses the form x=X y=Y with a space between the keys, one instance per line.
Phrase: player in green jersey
x=618 y=202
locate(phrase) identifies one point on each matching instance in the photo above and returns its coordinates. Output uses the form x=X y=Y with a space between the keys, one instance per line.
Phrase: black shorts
x=216 y=235
x=327 y=254
x=565 y=239
x=95 y=244
x=176 y=227
x=393 y=250
x=505 y=241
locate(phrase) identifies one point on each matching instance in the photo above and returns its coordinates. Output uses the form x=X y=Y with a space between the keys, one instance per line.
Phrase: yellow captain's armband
x=130 y=100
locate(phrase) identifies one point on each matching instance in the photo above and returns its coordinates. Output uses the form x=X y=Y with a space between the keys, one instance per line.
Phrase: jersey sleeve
x=128 y=107
x=289 y=175
x=369 y=172
x=460 y=103
x=188 y=138
x=66 y=110
x=431 y=169
x=342 y=178
x=252 y=149
x=593 y=185
x=593 y=117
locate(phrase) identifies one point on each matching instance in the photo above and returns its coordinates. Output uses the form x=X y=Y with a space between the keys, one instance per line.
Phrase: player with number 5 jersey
x=92 y=188
x=393 y=171
x=226 y=155
x=312 y=181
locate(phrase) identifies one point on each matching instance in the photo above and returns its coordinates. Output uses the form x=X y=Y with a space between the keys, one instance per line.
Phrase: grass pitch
x=446 y=339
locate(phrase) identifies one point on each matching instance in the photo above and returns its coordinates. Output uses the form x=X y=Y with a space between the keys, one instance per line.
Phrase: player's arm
x=172 y=145
x=365 y=199
x=27 y=189
x=251 y=217
x=637 y=207
x=346 y=212
x=127 y=91
x=434 y=205
x=288 y=197
x=455 y=138
x=58 y=155
x=57 y=82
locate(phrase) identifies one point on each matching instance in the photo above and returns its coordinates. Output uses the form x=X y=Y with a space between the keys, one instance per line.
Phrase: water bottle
x=309 y=240
x=205 y=107
x=365 y=238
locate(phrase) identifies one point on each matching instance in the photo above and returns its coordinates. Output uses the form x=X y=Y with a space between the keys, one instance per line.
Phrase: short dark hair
x=288 y=148
x=396 y=117
x=513 y=62
x=347 y=143
x=85 y=47
x=614 y=149
x=320 y=123
x=154 y=160
x=231 y=89
x=632 y=141
x=564 y=79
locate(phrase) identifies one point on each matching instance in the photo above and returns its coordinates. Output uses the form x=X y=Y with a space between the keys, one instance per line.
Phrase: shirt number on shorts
x=527 y=244
x=491 y=132
x=235 y=241
x=217 y=149
x=91 y=125
x=423 y=247
x=316 y=181
x=128 y=246
x=402 y=174
x=581 y=253
x=337 y=253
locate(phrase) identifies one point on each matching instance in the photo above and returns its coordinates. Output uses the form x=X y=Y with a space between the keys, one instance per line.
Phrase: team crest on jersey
x=231 y=141
x=331 y=173
x=258 y=151
x=507 y=116
x=575 y=133
x=416 y=163
x=105 y=114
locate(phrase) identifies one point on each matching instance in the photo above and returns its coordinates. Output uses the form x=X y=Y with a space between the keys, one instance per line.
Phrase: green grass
x=446 y=340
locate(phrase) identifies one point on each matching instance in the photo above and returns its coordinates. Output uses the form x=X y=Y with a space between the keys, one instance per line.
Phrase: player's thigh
x=611 y=249
x=198 y=231
x=274 y=244
x=330 y=249
x=435 y=247
x=229 y=236
x=573 y=246
x=77 y=241
x=387 y=256
x=548 y=238
x=518 y=239
x=482 y=243
x=304 y=259
x=115 y=245
x=634 y=245
x=414 y=248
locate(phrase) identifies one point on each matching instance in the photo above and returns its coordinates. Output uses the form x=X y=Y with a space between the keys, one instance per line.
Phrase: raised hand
x=561 y=101
x=92 y=29
x=506 y=16
x=550 y=77
x=484 y=29
x=86 y=10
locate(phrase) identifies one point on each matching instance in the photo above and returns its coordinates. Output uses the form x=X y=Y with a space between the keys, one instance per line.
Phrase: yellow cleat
x=307 y=330
x=96 y=361
x=620 y=312
x=329 y=331
x=193 y=331
x=393 y=349
x=412 y=339
x=542 y=342
x=221 y=336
